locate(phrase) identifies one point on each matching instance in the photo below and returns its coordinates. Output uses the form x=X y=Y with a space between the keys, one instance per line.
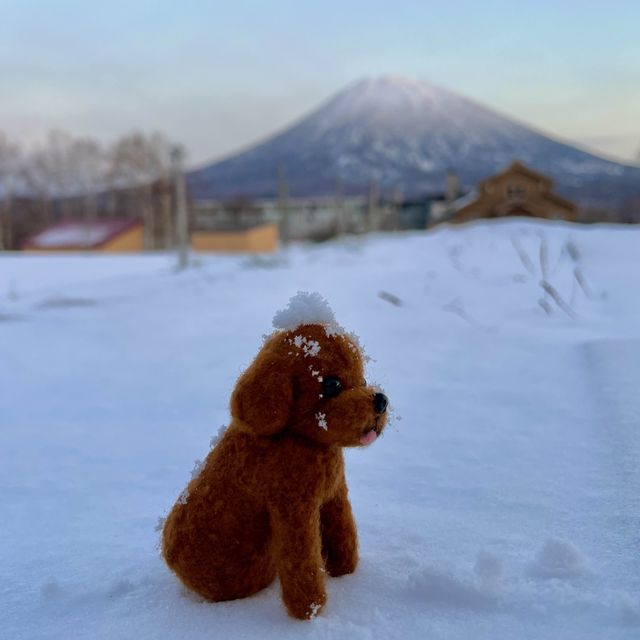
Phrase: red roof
x=79 y=234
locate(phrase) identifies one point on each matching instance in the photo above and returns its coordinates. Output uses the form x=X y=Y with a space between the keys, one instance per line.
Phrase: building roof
x=518 y=167
x=79 y=234
x=478 y=196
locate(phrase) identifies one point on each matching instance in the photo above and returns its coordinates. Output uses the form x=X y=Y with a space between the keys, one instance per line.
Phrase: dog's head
x=310 y=381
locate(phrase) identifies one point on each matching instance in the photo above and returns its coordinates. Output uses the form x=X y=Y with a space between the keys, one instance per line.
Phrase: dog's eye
x=331 y=386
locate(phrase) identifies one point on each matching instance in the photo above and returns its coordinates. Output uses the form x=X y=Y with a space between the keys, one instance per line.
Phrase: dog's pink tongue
x=368 y=437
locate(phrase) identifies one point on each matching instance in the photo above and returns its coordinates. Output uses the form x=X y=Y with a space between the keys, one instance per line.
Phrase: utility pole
x=182 y=220
x=283 y=204
x=6 y=222
x=341 y=225
x=398 y=198
x=167 y=220
x=3 y=243
x=373 y=222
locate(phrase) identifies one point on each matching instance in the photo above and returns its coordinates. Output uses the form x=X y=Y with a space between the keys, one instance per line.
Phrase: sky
x=219 y=76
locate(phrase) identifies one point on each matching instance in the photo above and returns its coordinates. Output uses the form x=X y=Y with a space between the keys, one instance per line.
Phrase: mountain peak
x=404 y=134
x=394 y=94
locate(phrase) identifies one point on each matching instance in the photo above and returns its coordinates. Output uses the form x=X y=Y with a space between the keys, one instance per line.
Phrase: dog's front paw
x=305 y=608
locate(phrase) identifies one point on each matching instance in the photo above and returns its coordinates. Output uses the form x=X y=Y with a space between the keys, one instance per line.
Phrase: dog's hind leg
x=232 y=580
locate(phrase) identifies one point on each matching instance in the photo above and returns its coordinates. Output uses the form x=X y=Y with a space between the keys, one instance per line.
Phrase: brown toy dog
x=271 y=498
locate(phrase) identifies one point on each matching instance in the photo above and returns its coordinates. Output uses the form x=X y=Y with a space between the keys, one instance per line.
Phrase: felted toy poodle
x=271 y=497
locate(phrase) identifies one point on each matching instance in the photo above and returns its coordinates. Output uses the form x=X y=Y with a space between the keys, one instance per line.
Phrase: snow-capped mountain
x=405 y=134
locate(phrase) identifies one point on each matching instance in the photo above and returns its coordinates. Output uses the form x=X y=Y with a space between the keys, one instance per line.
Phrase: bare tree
x=49 y=171
x=73 y=175
x=136 y=162
x=87 y=167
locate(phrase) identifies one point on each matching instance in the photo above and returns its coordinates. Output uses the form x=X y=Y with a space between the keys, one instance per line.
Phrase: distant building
x=104 y=235
x=245 y=238
x=515 y=191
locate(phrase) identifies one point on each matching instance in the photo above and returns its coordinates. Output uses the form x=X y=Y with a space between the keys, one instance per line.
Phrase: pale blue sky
x=219 y=75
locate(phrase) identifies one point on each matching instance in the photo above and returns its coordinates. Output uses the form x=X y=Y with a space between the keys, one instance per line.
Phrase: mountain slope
x=405 y=134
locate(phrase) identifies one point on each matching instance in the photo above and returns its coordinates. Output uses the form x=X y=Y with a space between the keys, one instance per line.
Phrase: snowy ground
x=503 y=501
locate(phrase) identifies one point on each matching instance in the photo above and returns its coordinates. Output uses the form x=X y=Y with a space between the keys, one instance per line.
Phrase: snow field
x=502 y=500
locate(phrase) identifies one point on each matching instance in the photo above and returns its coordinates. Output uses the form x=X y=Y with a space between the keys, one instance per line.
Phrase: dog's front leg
x=339 y=536
x=296 y=531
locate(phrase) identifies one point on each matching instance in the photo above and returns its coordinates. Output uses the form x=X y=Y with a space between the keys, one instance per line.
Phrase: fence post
x=182 y=219
x=283 y=204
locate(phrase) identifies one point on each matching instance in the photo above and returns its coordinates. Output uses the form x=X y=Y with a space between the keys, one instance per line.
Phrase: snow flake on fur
x=197 y=468
x=315 y=373
x=216 y=438
x=308 y=347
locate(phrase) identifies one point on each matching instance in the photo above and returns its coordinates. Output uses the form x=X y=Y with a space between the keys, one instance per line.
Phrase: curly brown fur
x=271 y=498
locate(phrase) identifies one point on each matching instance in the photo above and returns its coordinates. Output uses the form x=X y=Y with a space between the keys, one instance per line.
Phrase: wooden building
x=515 y=191
x=249 y=238
x=102 y=235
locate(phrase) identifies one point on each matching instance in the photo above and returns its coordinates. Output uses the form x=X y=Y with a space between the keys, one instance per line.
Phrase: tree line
x=68 y=177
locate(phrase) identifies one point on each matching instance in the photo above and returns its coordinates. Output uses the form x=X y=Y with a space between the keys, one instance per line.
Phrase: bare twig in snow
x=574 y=291
x=12 y=293
x=546 y=306
x=544 y=258
x=456 y=307
x=389 y=297
x=522 y=254
x=557 y=298
x=572 y=250
x=579 y=276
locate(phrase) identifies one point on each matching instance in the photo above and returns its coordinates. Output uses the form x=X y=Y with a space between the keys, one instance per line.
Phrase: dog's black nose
x=380 y=402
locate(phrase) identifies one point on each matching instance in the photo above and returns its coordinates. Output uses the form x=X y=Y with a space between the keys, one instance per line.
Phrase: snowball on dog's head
x=306 y=308
x=308 y=379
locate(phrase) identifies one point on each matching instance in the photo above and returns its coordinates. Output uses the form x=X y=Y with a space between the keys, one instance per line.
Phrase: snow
x=505 y=504
x=304 y=308
x=558 y=559
x=72 y=235
x=79 y=234
x=488 y=568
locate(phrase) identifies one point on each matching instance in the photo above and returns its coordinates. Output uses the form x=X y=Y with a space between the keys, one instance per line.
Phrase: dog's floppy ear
x=263 y=396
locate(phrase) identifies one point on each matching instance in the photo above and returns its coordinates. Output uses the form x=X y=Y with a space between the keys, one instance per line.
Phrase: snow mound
x=488 y=568
x=629 y=610
x=51 y=589
x=558 y=559
x=440 y=588
x=306 y=308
